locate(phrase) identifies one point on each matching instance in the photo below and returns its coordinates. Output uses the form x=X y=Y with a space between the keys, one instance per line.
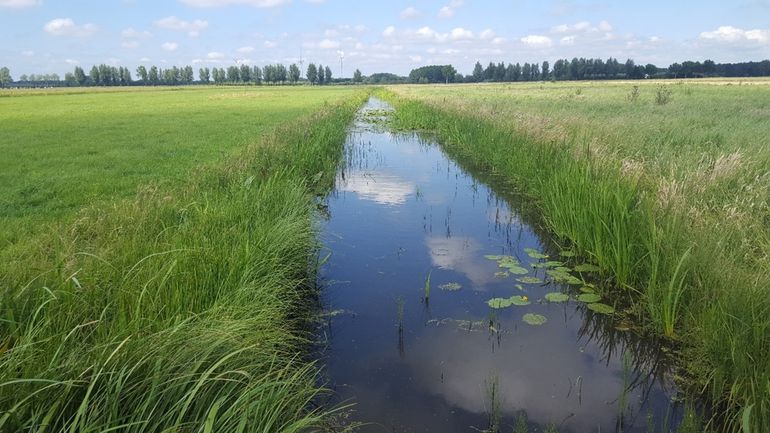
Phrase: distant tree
x=526 y=72
x=294 y=73
x=233 y=74
x=534 y=72
x=245 y=73
x=153 y=76
x=80 y=76
x=545 y=70
x=94 y=75
x=650 y=69
x=69 y=79
x=478 y=73
x=5 y=76
x=357 y=76
x=141 y=71
x=256 y=75
x=321 y=75
x=187 y=75
x=328 y=75
x=281 y=74
x=204 y=75
x=312 y=73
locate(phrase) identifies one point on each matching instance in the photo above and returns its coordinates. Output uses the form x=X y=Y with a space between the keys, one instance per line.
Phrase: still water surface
x=403 y=210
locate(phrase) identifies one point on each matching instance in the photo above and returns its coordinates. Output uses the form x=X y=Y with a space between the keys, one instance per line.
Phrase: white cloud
x=214 y=55
x=245 y=50
x=131 y=33
x=415 y=59
x=410 y=13
x=27 y=53
x=583 y=27
x=328 y=44
x=193 y=28
x=459 y=33
x=487 y=34
x=605 y=26
x=18 y=4
x=537 y=41
x=449 y=10
x=145 y=59
x=222 y=3
x=498 y=40
x=67 y=27
x=389 y=31
x=130 y=45
x=567 y=40
x=270 y=44
x=71 y=62
x=730 y=34
x=170 y=46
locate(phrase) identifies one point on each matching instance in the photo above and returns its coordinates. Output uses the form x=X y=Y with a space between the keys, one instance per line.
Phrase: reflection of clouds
x=534 y=367
x=460 y=254
x=379 y=187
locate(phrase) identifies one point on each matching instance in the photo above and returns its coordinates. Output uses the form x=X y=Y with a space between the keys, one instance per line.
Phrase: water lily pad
x=557 y=297
x=574 y=281
x=567 y=253
x=501 y=274
x=548 y=264
x=499 y=303
x=589 y=298
x=586 y=289
x=586 y=267
x=529 y=280
x=520 y=287
x=601 y=308
x=534 y=319
x=493 y=257
x=519 y=300
x=564 y=269
x=514 y=268
x=450 y=286
x=535 y=254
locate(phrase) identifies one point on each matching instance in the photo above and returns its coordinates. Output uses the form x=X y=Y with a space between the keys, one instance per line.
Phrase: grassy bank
x=182 y=307
x=665 y=186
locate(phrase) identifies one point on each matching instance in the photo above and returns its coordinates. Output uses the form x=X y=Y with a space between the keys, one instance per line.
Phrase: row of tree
x=586 y=69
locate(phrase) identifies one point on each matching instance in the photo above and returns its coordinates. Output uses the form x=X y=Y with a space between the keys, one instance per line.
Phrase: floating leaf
x=586 y=289
x=534 y=319
x=601 y=308
x=548 y=264
x=520 y=287
x=564 y=269
x=589 y=298
x=493 y=257
x=586 y=267
x=535 y=254
x=515 y=269
x=529 y=280
x=557 y=297
x=501 y=274
x=499 y=303
x=567 y=253
x=450 y=286
x=574 y=281
x=519 y=300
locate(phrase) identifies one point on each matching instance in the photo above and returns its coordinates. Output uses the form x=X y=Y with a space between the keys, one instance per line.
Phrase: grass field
x=666 y=187
x=158 y=272
x=66 y=148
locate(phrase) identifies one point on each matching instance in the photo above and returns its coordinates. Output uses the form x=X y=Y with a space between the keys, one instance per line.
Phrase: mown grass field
x=63 y=149
x=158 y=256
x=668 y=191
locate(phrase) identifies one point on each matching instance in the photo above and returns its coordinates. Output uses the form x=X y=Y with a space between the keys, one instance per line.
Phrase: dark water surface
x=403 y=210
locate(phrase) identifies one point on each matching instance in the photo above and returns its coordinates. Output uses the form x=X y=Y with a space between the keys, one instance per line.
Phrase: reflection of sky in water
x=402 y=210
x=379 y=187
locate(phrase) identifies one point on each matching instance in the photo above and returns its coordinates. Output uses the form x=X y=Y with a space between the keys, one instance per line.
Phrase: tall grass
x=183 y=309
x=704 y=288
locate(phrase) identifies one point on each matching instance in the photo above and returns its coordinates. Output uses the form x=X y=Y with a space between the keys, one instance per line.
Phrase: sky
x=53 y=36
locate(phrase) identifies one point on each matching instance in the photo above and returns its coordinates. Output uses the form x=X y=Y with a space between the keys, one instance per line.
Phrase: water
x=402 y=210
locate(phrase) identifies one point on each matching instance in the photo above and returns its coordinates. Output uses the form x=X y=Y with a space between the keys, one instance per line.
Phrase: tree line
x=586 y=69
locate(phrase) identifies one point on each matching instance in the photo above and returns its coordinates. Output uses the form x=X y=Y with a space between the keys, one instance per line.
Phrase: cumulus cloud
x=245 y=50
x=537 y=41
x=410 y=13
x=67 y=27
x=449 y=10
x=328 y=44
x=222 y=3
x=27 y=53
x=730 y=34
x=170 y=46
x=71 y=62
x=131 y=33
x=389 y=31
x=459 y=33
x=214 y=55
x=193 y=28
x=130 y=45
x=18 y=4
x=270 y=44
x=487 y=34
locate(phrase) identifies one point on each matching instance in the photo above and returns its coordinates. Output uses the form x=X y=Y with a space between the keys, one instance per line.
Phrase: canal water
x=415 y=248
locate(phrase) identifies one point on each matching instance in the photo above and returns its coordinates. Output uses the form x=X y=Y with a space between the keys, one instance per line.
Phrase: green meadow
x=664 y=184
x=158 y=257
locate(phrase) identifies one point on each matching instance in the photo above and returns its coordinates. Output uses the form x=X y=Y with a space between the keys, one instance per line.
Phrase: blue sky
x=45 y=36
